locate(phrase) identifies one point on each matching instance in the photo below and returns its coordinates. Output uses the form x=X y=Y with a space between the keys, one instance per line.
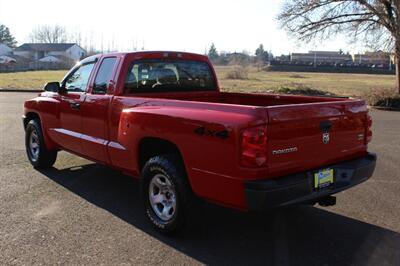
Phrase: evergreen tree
x=6 y=37
x=212 y=52
x=260 y=50
x=261 y=54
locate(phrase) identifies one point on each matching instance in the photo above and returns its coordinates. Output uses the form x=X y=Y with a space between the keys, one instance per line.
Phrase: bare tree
x=376 y=22
x=49 y=34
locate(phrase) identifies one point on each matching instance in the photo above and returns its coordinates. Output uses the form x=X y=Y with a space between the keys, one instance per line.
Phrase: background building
x=51 y=52
x=40 y=56
x=5 y=50
x=321 y=58
x=377 y=59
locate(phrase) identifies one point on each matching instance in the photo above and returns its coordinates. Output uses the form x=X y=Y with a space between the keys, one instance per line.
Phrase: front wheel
x=36 y=150
x=165 y=192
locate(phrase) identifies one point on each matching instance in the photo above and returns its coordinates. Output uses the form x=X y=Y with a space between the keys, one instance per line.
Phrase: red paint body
x=109 y=128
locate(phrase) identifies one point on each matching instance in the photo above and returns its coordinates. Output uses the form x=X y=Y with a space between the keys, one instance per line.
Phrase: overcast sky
x=163 y=24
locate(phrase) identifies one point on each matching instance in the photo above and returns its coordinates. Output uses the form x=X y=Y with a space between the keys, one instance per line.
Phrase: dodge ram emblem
x=325 y=138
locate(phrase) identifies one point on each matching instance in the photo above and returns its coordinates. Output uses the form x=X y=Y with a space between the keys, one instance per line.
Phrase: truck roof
x=154 y=55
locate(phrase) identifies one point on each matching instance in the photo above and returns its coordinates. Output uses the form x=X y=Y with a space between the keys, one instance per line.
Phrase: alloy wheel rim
x=34 y=145
x=162 y=197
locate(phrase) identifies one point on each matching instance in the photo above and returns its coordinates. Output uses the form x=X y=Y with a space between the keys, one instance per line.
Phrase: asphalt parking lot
x=84 y=213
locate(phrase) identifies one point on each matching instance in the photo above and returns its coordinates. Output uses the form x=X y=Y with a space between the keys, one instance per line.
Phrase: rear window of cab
x=157 y=75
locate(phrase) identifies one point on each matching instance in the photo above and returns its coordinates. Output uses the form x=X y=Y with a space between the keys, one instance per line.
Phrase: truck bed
x=250 y=99
x=294 y=123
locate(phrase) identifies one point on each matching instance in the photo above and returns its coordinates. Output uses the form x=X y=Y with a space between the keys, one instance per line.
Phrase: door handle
x=75 y=105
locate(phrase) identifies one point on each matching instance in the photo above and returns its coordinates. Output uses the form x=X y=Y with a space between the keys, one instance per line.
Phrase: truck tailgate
x=311 y=135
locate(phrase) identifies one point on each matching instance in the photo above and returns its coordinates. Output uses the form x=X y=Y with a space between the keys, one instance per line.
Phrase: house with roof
x=6 y=54
x=51 y=52
x=4 y=49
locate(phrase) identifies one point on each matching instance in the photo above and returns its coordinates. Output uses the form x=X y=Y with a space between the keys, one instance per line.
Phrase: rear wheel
x=36 y=150
x=162 y=197
x=166 y=193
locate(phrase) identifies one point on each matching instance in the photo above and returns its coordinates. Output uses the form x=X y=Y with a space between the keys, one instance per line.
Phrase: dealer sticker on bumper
x=323 y=178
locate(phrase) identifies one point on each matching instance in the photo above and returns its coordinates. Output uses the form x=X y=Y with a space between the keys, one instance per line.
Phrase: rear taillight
x=254 y=142
x=368 y=135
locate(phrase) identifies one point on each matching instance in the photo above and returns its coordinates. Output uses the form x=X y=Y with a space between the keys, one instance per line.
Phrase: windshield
x=169 y=76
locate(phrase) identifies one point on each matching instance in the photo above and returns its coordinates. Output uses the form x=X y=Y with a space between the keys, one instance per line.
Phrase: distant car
x=161 y=117
x=4 y=59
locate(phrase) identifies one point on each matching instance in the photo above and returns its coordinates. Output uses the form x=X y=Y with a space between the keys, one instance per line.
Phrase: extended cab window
x=104 y=75
x=168 y=76
x=79 y=78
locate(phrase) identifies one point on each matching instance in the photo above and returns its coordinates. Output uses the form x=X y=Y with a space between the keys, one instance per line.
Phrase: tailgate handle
x=325 y=126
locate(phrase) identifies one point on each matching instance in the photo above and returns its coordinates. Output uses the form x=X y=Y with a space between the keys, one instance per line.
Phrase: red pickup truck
x=161 y=117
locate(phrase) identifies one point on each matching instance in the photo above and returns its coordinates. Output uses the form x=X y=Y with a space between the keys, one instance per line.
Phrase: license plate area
x=323 y=178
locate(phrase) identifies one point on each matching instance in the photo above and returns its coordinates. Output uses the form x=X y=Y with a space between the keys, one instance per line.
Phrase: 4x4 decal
x=202 y=131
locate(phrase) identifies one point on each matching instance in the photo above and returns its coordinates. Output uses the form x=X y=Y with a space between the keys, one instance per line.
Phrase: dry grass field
x=257 y=81
x=337 y=83
x=29 y=79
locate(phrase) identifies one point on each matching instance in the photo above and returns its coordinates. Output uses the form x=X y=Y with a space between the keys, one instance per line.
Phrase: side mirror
x=52 y=86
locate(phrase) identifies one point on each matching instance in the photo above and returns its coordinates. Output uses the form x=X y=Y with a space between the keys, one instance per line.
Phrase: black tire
x=171 y=167
x=42 y=158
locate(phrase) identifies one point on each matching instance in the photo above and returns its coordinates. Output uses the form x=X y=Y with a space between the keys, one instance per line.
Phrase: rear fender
x=179 y=125
x=206 y=139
